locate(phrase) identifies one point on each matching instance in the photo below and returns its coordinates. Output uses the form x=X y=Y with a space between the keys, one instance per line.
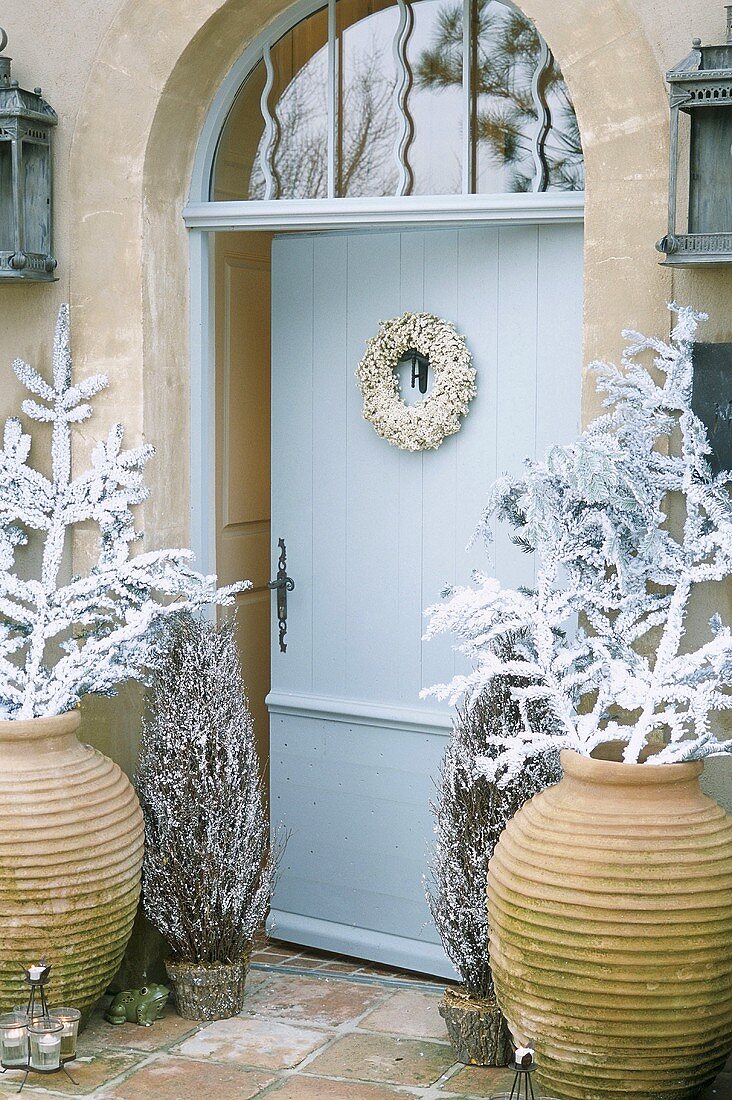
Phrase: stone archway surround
x=149 y=90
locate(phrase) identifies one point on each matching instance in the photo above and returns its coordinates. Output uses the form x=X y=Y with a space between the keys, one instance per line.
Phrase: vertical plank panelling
x=372 y=652
x=516 y=401
x=292 y=449
x=330 y=461
x=439 y=467
x=559 y=330
x=478 y=320
x=409 y=558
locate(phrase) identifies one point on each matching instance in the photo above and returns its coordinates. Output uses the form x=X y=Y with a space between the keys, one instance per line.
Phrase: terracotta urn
x=71 y=843
x=610 y=906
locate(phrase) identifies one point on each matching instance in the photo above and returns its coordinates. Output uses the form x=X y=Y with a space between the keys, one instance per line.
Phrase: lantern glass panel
x=710 y=188
x=7 y=226
x=14 y=1039
x=37 y=184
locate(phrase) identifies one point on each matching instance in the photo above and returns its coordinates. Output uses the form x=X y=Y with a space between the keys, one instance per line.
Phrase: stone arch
x=154 y=77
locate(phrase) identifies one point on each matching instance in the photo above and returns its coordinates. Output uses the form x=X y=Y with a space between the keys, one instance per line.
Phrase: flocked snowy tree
x=596 y=514
x=209 y=869
x=60 y=641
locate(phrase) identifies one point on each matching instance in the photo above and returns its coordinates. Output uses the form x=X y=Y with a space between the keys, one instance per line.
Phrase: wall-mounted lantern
x=701 y=89
x=26 y=180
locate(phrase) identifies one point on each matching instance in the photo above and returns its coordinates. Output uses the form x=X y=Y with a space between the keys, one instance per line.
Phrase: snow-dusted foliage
x=209 y=870
x=471 y=812
x=596 y=513
x=60 y=641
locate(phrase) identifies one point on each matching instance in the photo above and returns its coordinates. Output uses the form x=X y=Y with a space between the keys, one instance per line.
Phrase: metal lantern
x=701 y=92
x=26 y=177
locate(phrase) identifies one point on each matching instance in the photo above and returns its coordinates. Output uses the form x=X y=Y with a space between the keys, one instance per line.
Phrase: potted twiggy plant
x=209 y=866
x=610 y=894
x=471 y=811
x=71 y=829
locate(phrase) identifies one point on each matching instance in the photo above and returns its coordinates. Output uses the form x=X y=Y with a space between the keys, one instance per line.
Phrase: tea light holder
x=35 y=1040
x=70 y=1018
x=45 y=1045
x=14 y=1040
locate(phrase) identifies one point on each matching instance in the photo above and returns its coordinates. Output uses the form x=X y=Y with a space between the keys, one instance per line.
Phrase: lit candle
x=34 y=973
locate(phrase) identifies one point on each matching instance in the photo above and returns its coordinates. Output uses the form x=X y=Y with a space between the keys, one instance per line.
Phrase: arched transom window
x=401 y=97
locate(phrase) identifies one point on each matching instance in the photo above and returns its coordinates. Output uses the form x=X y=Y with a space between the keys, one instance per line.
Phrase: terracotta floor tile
x=408 y=1012
x=480 y=1081
x=101 y=1036
x=312 y=1000
x=180 y=1079
x=89 y=1075
x=381 y=1058
x=317 y=1088
x=253 y=1041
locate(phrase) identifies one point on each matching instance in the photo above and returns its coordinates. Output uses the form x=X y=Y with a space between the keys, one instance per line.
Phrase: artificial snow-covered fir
x=471 y=812
x=209 y=868
x=595 y=513
x=60 y=641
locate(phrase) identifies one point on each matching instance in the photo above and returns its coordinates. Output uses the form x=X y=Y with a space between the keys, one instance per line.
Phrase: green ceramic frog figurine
x=138 y=1006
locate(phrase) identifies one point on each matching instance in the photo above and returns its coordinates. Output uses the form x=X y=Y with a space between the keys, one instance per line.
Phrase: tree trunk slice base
x=477 y=1029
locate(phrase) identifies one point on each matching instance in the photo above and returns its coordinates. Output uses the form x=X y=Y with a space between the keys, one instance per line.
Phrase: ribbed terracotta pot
x=71 y=842
x=610 y=904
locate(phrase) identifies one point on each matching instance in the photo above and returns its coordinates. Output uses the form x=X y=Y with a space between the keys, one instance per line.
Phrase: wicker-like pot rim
x=613 y=773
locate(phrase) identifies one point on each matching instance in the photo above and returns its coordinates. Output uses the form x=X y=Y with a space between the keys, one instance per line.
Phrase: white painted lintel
x=281 y=214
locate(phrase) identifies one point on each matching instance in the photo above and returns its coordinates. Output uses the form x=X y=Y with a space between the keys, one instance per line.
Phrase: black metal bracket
x=282 y=585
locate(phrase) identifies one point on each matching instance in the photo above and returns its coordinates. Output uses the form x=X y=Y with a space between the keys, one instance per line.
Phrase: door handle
x=282 y=584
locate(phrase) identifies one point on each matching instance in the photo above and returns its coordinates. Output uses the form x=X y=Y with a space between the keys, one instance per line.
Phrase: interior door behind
x=372 y=535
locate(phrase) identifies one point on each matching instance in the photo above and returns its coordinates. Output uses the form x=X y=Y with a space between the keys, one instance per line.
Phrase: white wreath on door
x=423 y=425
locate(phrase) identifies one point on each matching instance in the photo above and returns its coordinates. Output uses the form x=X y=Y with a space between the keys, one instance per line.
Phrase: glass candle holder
x=45 y=1044
x=33 y=1017
x=69 y=1017
x=14 y=1039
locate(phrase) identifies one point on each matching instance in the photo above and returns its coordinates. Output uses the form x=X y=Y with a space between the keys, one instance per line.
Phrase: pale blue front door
x=373 y=533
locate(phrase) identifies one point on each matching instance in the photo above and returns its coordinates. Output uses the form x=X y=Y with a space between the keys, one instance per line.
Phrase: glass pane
x=300 y=96
x=298 y=101
x=437 y=101
x=238 y=146
x=506 y=53
x=367 y=120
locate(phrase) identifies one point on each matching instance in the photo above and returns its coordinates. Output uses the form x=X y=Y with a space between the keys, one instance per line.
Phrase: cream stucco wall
x=132 y=81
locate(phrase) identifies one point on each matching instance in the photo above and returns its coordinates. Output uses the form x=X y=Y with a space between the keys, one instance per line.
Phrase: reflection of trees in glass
x=367 y=133
x=507 y=52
